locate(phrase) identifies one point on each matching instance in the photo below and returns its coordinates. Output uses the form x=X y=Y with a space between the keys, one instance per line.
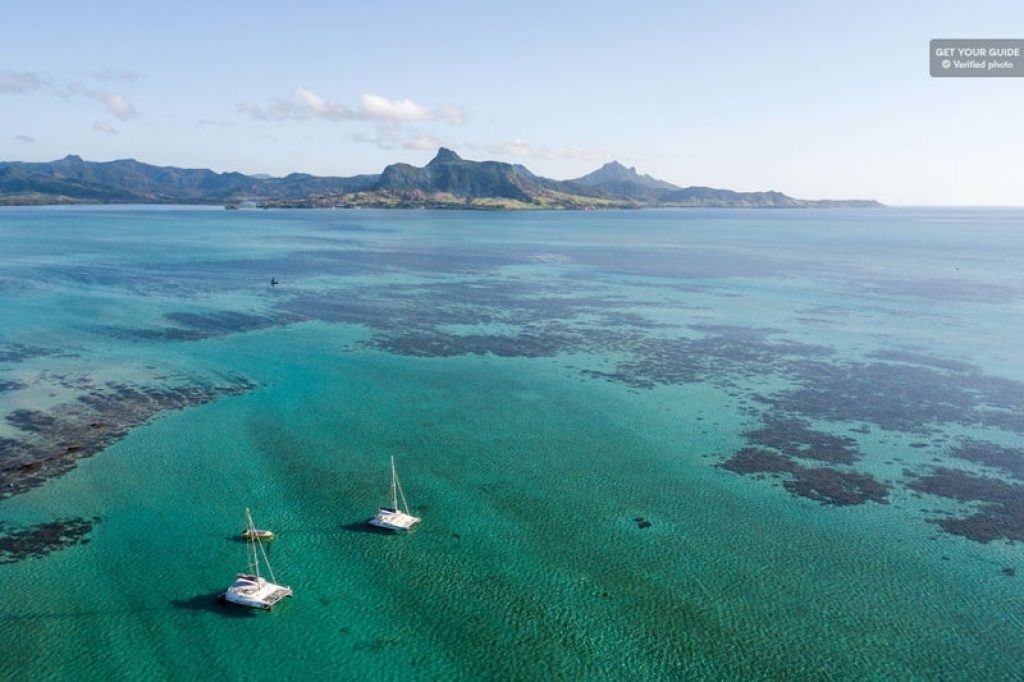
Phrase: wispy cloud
x=104 y=127
x=20 y=82
x=450 y=114
x=116 y=74
x=392 y=136
x=116 y=103
x=422 y=142
x=306 y=104
x=523 y=149
x=27 y=139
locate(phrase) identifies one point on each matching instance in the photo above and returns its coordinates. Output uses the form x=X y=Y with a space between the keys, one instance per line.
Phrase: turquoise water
x=566 y=395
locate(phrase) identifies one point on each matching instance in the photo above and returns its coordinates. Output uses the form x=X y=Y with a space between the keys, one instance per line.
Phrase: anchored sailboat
x=394 y=518
x=260 y=533
x=250 y=588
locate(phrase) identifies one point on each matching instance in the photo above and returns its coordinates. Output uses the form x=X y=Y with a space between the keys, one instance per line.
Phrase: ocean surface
x=658 y=444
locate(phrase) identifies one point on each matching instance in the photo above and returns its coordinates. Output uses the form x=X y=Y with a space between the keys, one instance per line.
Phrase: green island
x=447 y=182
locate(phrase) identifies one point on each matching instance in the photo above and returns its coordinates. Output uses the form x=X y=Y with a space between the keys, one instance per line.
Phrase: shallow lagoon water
x=546 y=382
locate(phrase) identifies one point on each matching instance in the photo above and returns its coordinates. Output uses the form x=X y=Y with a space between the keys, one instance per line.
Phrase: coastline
x=446 y=182
x=484 y=207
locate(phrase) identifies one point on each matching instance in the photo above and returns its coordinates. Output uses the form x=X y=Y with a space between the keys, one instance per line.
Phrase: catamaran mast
x=401 y=493
x=254 y=563
x=257 y=549
x=267 y=561
x=394 y=485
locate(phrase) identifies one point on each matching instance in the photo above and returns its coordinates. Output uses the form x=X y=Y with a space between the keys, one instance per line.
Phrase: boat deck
x=261 y=593
x=394 y=520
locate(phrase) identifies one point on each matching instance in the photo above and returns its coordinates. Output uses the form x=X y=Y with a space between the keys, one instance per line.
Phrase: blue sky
x=825 y=99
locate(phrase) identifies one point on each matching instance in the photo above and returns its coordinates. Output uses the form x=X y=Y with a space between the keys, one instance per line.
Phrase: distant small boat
x=273 y=281
x=394 y=518
x=258 y=533
x=250 y=588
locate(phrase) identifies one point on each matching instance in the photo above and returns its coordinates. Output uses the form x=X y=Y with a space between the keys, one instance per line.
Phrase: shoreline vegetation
x=447 y=182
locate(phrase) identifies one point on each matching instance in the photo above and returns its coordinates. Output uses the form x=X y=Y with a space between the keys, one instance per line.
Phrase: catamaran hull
x=265 y=605
x=392 y=521
x=242 y=601
x=262 y=535
x=256 y=593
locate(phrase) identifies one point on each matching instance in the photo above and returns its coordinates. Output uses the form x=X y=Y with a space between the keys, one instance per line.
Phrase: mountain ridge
x=447 y=181
x=614 y=178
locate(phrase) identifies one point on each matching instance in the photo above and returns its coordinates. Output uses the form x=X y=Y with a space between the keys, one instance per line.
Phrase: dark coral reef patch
x=722 y=355
x=195 y=326
x=999 y=506
x=758 y=461
x=542 y=319
x=16 y=352
x=832 y=486
x=822 y=484
x=795 y=437
x=1009 y=460
x=893 y=390
x=8 y=385
x=18 y=544
x=55 y=439
x=901 y=397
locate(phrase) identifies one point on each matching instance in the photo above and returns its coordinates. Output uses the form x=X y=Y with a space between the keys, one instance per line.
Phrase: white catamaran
x=393 y=518
x=252 y=589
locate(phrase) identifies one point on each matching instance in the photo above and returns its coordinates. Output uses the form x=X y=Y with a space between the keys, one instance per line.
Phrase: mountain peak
x=614 y=176
x=616 y=166
x=445 y=155
x=74 y=158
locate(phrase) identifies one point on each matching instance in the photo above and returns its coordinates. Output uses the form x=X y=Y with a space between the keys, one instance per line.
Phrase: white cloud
x=379 y=108
x=306 y=99
x=306 y=104
x=115 y=103
x=525 y=150
x=103 y=127
x=20 y=82
x=27 y=139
